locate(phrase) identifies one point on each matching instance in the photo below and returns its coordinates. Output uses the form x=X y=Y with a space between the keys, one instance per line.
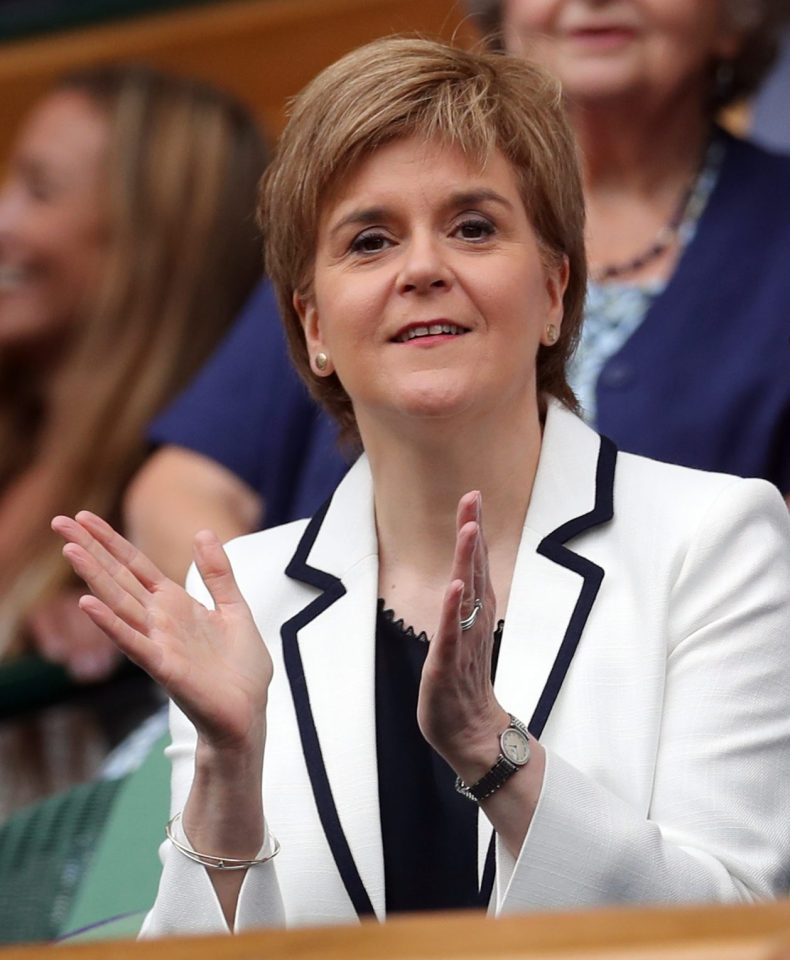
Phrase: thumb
x=214 y=568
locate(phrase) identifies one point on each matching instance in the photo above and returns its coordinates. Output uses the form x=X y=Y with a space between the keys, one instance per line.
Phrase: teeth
x=430 y=331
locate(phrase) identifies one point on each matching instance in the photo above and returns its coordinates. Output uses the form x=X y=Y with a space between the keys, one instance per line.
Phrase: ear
x=306 y=309
x=556 y=284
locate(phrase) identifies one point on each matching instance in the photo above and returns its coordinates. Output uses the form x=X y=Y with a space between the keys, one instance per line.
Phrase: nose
x=424 y=267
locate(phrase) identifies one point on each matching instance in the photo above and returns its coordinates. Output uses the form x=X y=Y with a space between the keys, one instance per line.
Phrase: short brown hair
x=400 y=87
x=759 y=20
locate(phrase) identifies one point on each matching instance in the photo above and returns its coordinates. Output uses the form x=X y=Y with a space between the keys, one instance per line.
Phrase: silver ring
x=468 y=622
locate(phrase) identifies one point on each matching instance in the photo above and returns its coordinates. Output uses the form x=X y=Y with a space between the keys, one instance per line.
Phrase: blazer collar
x=568 y=485
x=553 y=587
x=571 y=487
x=553 y=591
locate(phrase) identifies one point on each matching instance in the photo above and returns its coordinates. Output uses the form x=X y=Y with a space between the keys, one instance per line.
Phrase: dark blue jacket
x=705 y=380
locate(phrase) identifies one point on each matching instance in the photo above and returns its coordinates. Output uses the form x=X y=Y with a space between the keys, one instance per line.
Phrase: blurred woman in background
x=684 y=351
x=127 y=245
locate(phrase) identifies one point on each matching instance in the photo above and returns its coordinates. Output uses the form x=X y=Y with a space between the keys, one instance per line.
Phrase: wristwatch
x=514 y=754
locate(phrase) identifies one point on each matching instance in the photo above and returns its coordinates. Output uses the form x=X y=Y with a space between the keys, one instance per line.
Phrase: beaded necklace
x=614 y=311
x=686 y=214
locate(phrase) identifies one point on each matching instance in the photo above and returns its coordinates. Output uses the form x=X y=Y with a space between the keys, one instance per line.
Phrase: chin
x=599 y=83
x=435 y=404
x=23 y=330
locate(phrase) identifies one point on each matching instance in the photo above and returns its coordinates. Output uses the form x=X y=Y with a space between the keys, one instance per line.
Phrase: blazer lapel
x=553 y=590
x=553 y=587
x=330 y=663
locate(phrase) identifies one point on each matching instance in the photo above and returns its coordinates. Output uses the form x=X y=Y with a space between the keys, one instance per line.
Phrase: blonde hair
x=182 y=168
x=397 y=88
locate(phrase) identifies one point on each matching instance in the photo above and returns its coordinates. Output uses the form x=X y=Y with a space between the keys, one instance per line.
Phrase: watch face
x=515 y=746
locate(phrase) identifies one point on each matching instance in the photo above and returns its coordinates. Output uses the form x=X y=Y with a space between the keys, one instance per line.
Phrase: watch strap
x=502 y=770
x=490 y=782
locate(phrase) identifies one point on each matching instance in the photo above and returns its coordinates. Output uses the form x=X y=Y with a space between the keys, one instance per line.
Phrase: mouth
x=419 y=331
x=602 y=34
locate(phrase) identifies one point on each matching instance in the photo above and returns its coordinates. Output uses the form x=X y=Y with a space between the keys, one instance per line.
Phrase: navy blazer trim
x=552 y=547
x=299 y=569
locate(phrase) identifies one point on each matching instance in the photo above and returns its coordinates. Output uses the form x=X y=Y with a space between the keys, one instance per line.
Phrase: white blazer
x=646 y=641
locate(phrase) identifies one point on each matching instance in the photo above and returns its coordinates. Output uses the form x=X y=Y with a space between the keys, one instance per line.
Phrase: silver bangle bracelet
x=216 y=863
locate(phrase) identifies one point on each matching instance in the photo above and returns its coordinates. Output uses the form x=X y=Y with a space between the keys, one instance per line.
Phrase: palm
x=213 y=663
x=456 y=705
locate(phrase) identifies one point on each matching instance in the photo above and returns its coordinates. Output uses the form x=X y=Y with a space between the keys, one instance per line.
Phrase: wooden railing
x=707 y=933
x=262 y=50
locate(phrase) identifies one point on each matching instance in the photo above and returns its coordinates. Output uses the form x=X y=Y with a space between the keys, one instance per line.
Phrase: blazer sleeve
x=718 y=827
x=186 y=901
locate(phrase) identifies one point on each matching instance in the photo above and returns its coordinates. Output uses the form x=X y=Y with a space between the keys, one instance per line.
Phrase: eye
x=369 y=241
x=34 y=179
x=39 y=189
x=475 y=228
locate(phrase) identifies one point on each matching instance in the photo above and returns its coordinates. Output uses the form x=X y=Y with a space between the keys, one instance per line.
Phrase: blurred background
x=264 y=51
x=53 y=731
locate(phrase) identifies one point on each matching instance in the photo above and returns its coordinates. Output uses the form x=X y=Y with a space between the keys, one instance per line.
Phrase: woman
x=126 y=247
x=684 y=353
x=425 y=237
x=702 y=381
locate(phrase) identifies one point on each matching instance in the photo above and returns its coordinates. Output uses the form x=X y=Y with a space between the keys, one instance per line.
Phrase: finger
x=214 y=567
x=75 y=532
x=463 y=564
x=468 y=512
x=106 y=587
x=127 y=554
x=468 y=509
x=481 y=575
x=444 y=644
x=134 y=645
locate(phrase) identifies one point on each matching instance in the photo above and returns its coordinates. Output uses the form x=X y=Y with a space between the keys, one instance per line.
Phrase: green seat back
x=44 y=850
x=123 y=875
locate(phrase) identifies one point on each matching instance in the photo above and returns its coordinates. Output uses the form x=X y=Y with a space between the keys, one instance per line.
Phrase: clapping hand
x=213 y=663
x=457 y=711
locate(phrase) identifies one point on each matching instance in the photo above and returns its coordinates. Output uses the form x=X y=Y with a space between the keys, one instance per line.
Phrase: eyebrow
x=361 y=217
x=463 y=198
x=469 y=198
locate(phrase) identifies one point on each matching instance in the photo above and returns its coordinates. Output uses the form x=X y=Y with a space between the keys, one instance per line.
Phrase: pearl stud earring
x=321 y=361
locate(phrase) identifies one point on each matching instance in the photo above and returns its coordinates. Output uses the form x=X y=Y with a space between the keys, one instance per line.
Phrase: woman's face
x=612 y=49
x=52 y=220
x=430 y=295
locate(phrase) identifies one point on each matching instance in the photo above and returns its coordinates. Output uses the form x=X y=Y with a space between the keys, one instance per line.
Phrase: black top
x=429 y=831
